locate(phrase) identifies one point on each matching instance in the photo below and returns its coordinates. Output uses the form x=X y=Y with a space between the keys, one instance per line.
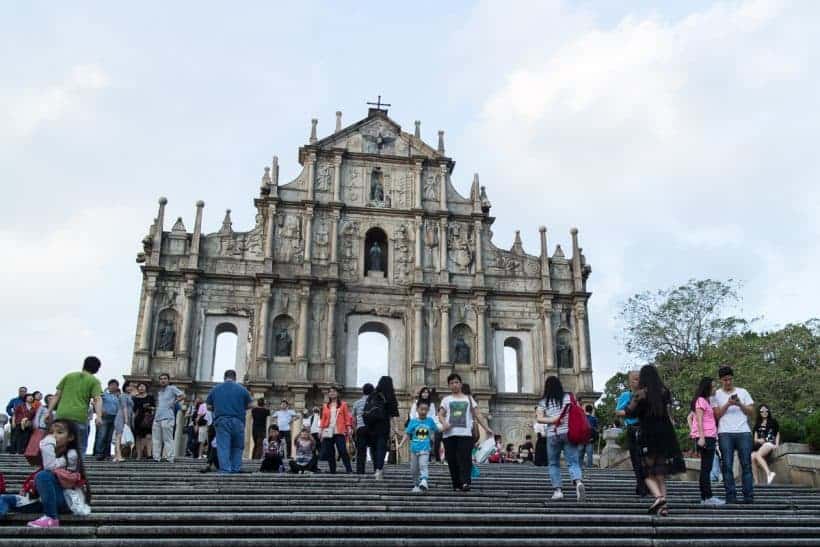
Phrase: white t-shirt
x=458 y=413
x=283 y=419
x=734 y=421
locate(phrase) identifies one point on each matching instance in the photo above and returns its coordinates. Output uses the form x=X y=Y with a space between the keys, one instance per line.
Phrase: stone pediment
x=379 y=135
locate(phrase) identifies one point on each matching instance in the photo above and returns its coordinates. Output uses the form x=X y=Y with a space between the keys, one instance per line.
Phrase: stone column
x=545 y=261
x=330 y=348
x=156 y=248
x=269 y=229
x=549 y=348
x=148 y=314
x=301 y=338
x=262 y=327
x=187 y=306
x=311 y=174
x=445 y=329
x=418 y=263
x=577 y=280
x=334 y=240
x=418 y=330
x=479 y=252
x=193 y=257
x=308 y=238
x=443 y=189
x=580 y=327
x=442 y=244
x=481 y=341
x=337 y=177
x=418 y=185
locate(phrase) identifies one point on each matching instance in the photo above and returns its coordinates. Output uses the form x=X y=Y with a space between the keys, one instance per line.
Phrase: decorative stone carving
x=283 y=344
x=350 y=245
x=324 y=177
x=377 y=185
x=461 y=247
x=321 y=241
x=403 y=265
x=431 y=239
x=166 y=331
x=352 y=185
x=462 y=351
x=431 y=182
x=375 y=258
x=564 y=350
x=289 y=246
x=378 y=138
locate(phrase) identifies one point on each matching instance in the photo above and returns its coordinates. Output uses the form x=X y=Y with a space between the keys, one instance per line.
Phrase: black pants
x=329 y=447
x=707 y=458
x=22 y=438
x=436 y=455
x=310 y=466
x=361 y=449
x=458 y=453
x=378 y=449
x=540 y=457
x=633 y=434
x=271 y=463
x=286 y=435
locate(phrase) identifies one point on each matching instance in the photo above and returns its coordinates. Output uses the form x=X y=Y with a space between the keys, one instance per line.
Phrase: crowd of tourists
x=52 y=432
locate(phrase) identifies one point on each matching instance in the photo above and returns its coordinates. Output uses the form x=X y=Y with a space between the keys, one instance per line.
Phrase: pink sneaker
x=44 y=522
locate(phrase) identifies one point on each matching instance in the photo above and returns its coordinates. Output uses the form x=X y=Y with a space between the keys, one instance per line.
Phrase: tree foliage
x=681 y=322
x=688 y=333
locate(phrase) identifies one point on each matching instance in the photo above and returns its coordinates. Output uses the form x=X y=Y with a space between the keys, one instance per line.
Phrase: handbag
x=75 y=499
x=32 y=452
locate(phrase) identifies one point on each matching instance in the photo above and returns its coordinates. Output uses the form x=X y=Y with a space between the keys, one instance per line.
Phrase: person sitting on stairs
x=273 y=451
x=305 y=457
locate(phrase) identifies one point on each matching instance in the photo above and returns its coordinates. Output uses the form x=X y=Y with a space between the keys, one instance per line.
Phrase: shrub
x=791 y=431
x=813 y=430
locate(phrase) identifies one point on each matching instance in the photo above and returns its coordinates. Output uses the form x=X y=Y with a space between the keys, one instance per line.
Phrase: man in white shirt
x=733 y=405
x=284 y=416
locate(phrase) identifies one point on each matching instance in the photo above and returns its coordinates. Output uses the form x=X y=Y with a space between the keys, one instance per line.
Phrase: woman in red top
x=23 y=420
x=335 y=425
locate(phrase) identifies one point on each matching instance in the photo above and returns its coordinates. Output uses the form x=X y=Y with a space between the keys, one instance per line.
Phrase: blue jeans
x=102 y=441
x=82 y=436
x=555 y=445
x=378 y=450
x=51 y=493
x=586 y=450
x=742 y=443
x=230 y=442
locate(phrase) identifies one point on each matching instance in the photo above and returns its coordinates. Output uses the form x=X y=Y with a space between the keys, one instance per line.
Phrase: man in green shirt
x=73 y=394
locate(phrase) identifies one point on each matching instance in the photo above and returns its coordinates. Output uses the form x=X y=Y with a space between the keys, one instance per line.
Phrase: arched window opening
x=513 y=361
x=224 y=351
x=374 y=349
x=375 y=253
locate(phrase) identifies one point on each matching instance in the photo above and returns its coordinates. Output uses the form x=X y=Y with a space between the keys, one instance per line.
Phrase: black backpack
x=374 y=411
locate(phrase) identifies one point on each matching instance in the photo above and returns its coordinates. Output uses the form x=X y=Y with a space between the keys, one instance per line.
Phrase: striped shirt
x=358 y=411
x=553 y=410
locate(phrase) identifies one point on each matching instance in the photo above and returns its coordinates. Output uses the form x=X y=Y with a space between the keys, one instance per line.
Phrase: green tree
x=605 y=410
x=681 y=322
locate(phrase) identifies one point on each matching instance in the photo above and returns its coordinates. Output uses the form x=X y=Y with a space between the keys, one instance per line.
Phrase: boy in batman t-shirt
x=420 y=432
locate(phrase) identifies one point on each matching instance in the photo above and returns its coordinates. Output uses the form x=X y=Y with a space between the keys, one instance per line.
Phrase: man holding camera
x=732 y=407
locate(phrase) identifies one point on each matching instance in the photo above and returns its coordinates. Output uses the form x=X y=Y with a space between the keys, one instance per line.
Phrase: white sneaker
x=557 y=495
x=423 y=484
x=770 y=477
x=416 y=490
x=378 y=475
x=713 y=501
x=580 y=491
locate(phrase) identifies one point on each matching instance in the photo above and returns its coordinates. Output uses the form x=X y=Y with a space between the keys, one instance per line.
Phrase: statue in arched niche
x=377 y=185
x=462 y=351
x=282 y=343
x=166 y=335
x=375 y=258
x=564 y=350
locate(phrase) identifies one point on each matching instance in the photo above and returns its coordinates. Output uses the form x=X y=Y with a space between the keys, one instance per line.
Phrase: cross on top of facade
x=379 y=104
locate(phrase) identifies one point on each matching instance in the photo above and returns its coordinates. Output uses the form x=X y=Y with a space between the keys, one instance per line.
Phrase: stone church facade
x=371 y=236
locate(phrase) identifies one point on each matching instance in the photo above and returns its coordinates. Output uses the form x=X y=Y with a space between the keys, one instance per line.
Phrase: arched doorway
x=513 y=358
x=224 y=351
x=372 y=361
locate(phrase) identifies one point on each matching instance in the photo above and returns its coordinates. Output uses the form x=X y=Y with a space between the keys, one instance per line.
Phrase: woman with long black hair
x=380 y=430
x=766 y=438
x=553 y=410
x=703 y=431
x=660 y=453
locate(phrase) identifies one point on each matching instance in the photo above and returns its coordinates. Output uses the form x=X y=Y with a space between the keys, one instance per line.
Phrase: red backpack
x=578 y=431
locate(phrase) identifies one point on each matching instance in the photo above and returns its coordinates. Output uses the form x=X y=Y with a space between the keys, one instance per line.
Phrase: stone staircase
x=147 y=503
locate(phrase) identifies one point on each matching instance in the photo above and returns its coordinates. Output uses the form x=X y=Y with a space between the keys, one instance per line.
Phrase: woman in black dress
x=660 y=452
x=144 y=405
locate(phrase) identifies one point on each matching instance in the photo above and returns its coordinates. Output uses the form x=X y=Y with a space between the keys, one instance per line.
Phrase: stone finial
x=441 y=142
x=559 y=253
x=200 y=204
x=574 y=231
x=418 y=129
x=485 y=201
x=226 y=223
x=518 y=247
x=313 y=123
x=179 y=226
x=274 y=171
x=542 y=229
x=338 y=121
x=264 y=187
x=163 y=200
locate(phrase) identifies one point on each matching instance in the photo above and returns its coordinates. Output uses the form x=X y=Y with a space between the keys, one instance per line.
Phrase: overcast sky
x=679 y=137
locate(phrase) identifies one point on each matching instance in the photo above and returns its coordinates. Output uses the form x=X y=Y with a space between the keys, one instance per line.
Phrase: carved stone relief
x=403 y=256
x=431 y=240
x=461 y=247
x=321 y=240
x=324 y=177
x=431 y=182
x=353 y=184
x=289 y=247
x=349 y=257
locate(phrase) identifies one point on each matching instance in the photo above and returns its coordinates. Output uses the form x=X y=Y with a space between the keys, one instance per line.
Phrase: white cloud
x=25 y=110
x=680 y=147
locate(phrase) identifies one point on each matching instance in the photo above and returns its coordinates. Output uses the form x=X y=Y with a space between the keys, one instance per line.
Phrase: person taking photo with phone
x=733 y=406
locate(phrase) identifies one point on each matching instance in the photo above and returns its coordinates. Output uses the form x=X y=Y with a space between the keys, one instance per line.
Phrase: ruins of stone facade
x=371 y=236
